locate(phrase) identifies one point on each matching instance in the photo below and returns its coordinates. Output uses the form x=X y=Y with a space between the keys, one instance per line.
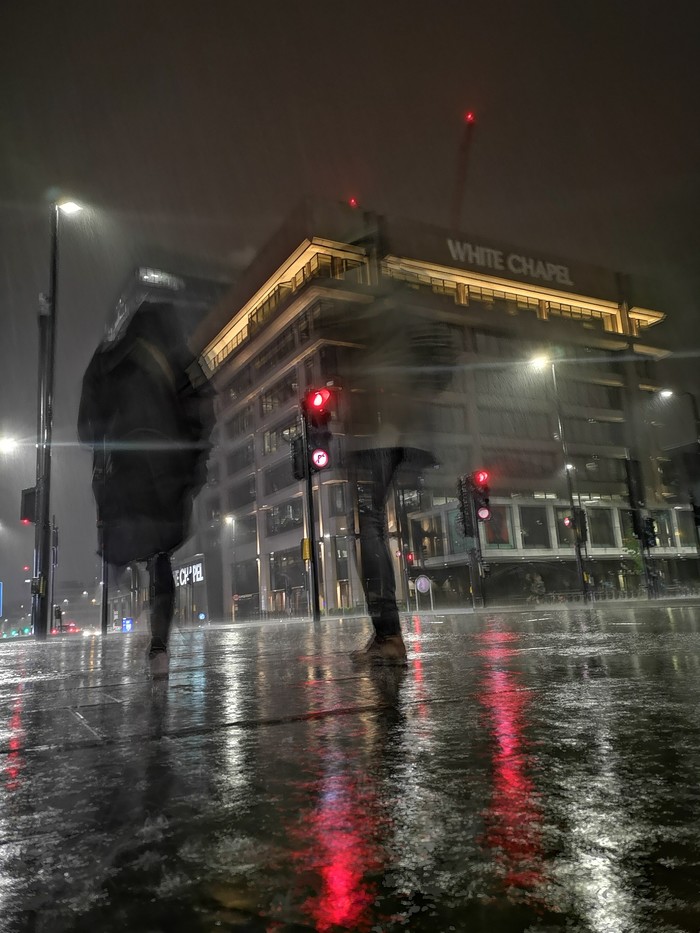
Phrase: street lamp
x=8 y=445
x=47 y=364
x=541 y=363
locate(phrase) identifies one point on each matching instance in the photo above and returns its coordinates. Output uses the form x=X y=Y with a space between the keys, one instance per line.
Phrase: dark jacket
x=146 y=411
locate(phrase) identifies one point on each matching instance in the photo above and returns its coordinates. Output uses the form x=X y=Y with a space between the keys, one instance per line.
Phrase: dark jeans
x=162 y=597
x=372 y=471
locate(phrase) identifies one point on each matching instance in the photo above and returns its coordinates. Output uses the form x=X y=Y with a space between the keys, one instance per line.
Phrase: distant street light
x=8 y=445
x=47 y=365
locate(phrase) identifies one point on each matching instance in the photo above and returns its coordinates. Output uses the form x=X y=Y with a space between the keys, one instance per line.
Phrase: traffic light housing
x=480 y=491
x=649 y=536
x=581 y=525
x=465 y=511
x=317 y=410
x=298 y=458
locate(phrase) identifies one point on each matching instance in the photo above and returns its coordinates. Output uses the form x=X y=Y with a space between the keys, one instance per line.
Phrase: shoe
x=382 y=649
x=159 y=662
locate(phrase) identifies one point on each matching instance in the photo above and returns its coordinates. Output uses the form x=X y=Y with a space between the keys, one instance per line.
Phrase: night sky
x=198 y=126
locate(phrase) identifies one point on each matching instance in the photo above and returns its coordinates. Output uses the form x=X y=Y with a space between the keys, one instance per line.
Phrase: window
x=213 y=472
x=591 y=431
x=240 y=458
x=596 y=469
x=212 y=510
x=508 y=383
x=245 y=529
x=279 y=476
x=457 y=543
x=242 y=493
x=287 y=569
x=601 y=532
x=281 y=392
x=589 y=394
x=244 y=576
x=285 y=516
x=336 y=499
x=427 y=536
x=521 y=464
x=498 y=530
x=276 y=352
x=280 y=436
x=342 y=564
x=534 y=526
x=241 y=423
x=686 y=536
x=664 y=536
x=532 y=425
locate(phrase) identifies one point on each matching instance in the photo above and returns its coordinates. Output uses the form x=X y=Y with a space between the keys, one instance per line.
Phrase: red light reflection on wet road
x=513 y=817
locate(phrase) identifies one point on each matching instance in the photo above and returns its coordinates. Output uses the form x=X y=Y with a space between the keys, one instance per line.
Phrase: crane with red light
x=462 y=165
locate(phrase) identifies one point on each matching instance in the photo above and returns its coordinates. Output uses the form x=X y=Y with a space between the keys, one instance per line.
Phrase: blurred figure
x=146 y=411
x=406 y=360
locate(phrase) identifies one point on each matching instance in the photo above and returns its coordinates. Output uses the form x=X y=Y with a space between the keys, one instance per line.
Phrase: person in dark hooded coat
x=146 y=411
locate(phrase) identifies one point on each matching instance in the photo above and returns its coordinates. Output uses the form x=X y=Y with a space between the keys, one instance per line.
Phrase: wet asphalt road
x=528 y=771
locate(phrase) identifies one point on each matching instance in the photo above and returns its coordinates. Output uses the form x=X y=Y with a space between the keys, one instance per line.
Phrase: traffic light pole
x=570 y=490
x=311 y=530
x=475 y=559
x=47 y=359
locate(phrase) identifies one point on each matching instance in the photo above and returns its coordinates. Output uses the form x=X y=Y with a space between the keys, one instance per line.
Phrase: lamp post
x=540 y=363
x=47 y=363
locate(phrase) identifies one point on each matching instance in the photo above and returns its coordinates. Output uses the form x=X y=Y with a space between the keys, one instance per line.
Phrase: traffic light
x=568 y=521
x=298 y=458
x=480 y=491
x=317 y=407
x=649 y=537
x=410 y=558
x=581 y=525
x=465 y=510
x=28 y=506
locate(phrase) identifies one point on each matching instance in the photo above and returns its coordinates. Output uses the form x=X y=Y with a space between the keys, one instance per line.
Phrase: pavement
x=531 y=771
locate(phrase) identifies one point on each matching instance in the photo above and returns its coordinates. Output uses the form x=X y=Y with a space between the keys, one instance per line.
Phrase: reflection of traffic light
x=568 y=522
x=480 y=491
x=317 y=413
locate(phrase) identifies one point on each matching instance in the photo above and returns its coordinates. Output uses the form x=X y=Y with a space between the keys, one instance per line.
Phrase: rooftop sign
x=517 y=264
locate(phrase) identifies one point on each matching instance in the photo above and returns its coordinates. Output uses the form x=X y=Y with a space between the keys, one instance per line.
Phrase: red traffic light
x=567 y=521
x=480 y=477
x=317 y=399
x=469 y=117
x=26 y=521
x=409 y=557
x=483 y=513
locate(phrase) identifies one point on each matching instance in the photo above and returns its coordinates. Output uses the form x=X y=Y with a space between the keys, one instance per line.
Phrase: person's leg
x=375 y=471
x=162 y=602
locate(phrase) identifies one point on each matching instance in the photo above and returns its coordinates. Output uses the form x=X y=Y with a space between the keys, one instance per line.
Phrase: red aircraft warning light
x=352 y=202
x=469 y=117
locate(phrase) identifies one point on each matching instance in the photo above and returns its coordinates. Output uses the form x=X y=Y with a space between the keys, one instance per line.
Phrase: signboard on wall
x=191 y=573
